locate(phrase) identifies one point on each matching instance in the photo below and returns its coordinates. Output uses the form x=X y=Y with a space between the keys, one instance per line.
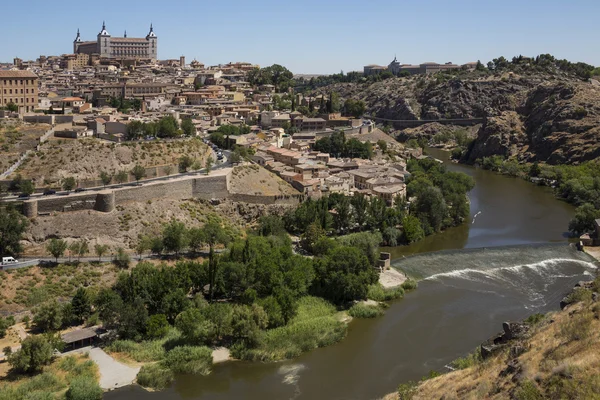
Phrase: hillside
x=534 y=112
x=556 y=356
x=85 y=158
x=16 y=138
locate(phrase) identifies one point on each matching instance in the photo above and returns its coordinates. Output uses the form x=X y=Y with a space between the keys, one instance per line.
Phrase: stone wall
x=203 y=187
x=258 y=199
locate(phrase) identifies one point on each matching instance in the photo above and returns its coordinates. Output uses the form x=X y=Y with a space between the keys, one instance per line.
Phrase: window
x=33 y=100
x=21 y=91
x=27 y=91
x=27 y=99
x=10 y=90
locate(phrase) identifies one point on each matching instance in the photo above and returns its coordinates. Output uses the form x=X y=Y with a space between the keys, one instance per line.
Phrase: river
x=462 y=300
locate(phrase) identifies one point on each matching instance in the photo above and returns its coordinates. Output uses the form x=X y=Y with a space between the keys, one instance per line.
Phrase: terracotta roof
x=17 y=74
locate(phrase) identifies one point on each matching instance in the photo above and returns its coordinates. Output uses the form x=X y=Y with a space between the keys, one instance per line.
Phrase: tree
x=157 y=326
x=188 y=128
x=157 y=246
x=109 y=304
x=105 y=177
x=122 y=176
x=138 y=172
x=81 y=305
x=35 y=352
x=12 y=226
x=214 y=234
x=584 y=218
x=411 y=229
x=235 y=157
x=185 y=162
x=84 y=388
x=175 y=237
x=56 y=247
x=194 y=326
x=48 y=317
x=208 y=164
x=122 y=259
x=73 y=249
x=355 y=108
x=196 y=239
x=84 y=249
x=100 y=250
x=314 y=232
x=431 y=209
x=69 y=183
x=12 y=107
x=382 y=145
x=167 y=127
x=26 y=187
x=535 y=170
x=144 y=243
x=135 y=130
x=360 y=205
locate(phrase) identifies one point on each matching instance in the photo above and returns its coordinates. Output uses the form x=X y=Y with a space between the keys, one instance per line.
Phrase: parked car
x=23 y=196
x=49 y=192
x=79 y=190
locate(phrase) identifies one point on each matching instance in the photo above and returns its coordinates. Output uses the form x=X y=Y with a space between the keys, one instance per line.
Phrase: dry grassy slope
x=85 y=158
x=121 y=228
x=16 y=138
x=255 y=180
x=562 y=361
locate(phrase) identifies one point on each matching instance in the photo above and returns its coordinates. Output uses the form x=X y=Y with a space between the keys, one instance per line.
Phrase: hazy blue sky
x=314 y=36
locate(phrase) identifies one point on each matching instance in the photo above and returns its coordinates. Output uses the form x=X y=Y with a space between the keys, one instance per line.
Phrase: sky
x=313 y=36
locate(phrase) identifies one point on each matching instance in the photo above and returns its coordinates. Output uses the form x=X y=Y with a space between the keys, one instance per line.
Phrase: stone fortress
x=107 y=46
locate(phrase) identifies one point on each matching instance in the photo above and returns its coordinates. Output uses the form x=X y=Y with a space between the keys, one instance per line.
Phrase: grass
x=52 y=381
x=468 y=361
x=362 y=310
x=189 y=360
x=316 y=324
x=155 y=376
x=409 y=285
x=378 y=293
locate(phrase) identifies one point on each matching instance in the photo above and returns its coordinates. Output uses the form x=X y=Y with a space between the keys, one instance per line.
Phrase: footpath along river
x=463 y=298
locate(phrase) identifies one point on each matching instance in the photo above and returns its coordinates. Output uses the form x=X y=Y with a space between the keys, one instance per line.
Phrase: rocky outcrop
x=500 y=135
x=536 y=116
x=513 y=331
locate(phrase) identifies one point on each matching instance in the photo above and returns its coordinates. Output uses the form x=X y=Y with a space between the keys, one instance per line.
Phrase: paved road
x=113 y=374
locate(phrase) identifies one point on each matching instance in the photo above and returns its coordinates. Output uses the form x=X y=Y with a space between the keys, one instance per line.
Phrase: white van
x=9 y=260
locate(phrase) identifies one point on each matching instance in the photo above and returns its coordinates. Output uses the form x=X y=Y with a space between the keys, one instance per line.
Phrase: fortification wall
x=258 y=199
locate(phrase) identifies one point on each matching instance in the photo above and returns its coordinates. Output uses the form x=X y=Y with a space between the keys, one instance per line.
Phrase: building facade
x=20 y=88
x=107 y=46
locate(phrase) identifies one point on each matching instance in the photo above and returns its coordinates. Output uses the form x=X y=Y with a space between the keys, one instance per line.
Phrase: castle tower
x=153 y=42
x=182 y=61
x=76 y=42
x=104 y=42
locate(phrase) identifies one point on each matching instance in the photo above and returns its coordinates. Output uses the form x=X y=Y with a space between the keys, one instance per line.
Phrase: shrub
x=84 y=388
x=155 y=376
x=409 y=285
x=468 y=361
x=578 y=327
x=189 y=360
x=535 y=319
x=527 y=390
x=362 y=310
x=378 y=293
x=35 y=352
x=150 y=350
x=578 y=295
x=406 y=391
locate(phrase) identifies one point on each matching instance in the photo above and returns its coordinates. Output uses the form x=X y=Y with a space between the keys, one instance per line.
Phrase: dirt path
x=391 y=278
x=113 y=374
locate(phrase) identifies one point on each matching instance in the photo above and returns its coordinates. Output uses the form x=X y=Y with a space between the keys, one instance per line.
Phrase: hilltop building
x=107 y=46
x=425 y=68
x=20 y=88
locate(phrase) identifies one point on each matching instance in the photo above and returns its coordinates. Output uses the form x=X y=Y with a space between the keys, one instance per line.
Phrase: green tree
x=81 y=305
x=247 y=322
x=185 y=162
x=208 y=164
x=135 y=130
x=144 y=243
x=138 y=172
x=157 y=326
x=412 y=231
x=194 y=326
x=34 y=354
x=382 y=144
x=26 y=187
x=431 y=209
x=84 y=249
x=73 y=249
x=12 y=107
x=188 y=128
x=105 y=177
x=122 y=176
x=175 y=238
x=69 y=183
x=48 y=317
x=12 y=226
x=214 y=234
x=100 y=250
x=196 y=239
x=122 y=259
x=314 y=232
x=56 y=247
x=584 y=218
x=535 y=170
x=167 y=127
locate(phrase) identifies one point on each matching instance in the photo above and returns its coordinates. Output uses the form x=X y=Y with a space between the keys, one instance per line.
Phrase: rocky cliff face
x=547 y=117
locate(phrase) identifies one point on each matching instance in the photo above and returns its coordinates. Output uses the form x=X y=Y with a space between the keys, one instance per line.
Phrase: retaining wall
x=257 y=199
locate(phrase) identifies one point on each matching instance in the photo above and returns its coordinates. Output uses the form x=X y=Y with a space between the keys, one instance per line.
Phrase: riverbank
x=556 y=355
